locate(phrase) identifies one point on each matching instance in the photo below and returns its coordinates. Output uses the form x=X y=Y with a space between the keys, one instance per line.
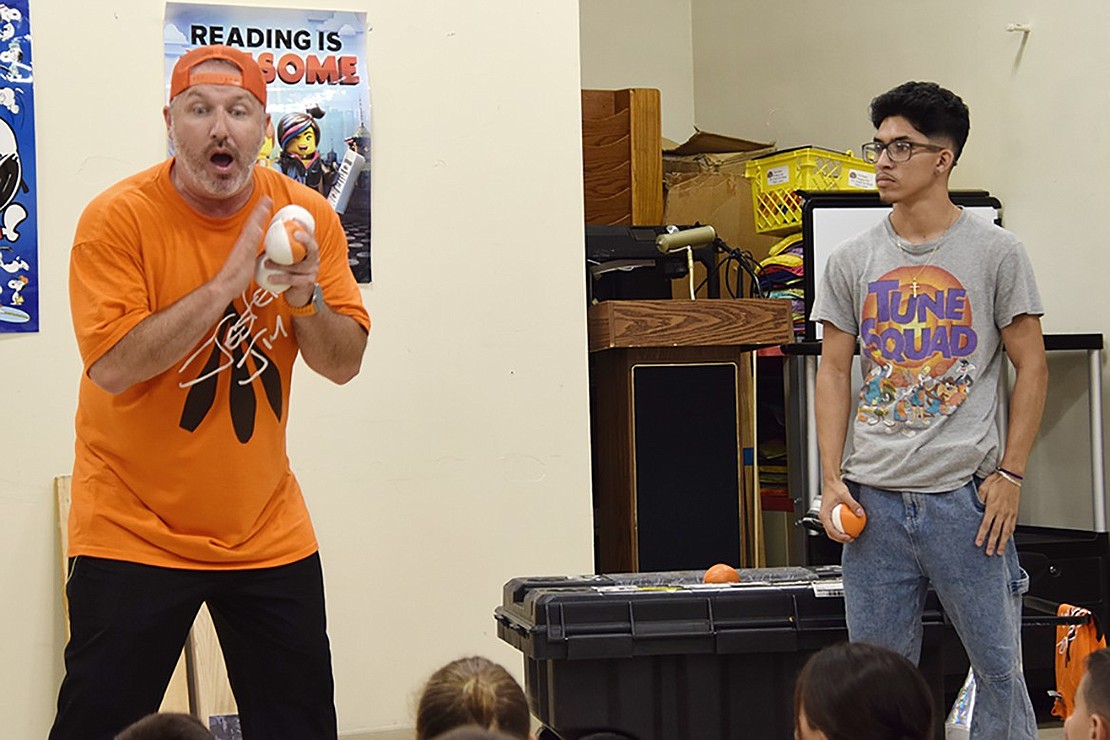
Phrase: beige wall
x=642 y=43
x=459 y=458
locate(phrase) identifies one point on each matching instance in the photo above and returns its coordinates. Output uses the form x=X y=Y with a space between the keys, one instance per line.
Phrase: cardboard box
x=709 y=152
x=703 y=182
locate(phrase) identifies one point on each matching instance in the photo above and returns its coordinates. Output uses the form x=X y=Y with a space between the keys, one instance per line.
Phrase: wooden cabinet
x=669 y=382
x=622 y=157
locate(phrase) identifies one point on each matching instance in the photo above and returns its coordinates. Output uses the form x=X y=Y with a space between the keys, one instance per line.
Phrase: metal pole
x=1098 y=475
x=813 y=472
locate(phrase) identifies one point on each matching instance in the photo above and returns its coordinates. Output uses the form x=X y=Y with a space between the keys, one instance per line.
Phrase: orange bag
x=1074 y=642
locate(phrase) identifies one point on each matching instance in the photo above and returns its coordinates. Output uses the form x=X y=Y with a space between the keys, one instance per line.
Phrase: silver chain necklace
x=898 y=243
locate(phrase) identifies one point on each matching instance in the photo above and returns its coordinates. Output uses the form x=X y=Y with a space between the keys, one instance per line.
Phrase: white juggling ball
x=281 y=246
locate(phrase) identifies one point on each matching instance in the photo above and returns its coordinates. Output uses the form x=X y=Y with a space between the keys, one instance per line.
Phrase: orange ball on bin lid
x=721 y=573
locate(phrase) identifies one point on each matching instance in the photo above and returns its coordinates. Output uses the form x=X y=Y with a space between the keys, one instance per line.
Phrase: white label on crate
x=778 y=175
x=862 y=180
x=828 y=589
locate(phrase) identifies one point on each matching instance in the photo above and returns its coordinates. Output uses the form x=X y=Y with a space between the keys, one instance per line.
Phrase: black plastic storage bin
x=661 y=656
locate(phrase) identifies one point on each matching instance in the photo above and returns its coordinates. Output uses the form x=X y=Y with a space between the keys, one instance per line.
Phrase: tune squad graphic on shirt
x=916 y=329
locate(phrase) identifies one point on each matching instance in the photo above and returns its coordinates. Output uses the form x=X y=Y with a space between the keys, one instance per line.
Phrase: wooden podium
x=670 y=386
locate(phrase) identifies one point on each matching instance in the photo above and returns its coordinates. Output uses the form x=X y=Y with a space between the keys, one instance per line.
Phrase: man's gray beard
x=213 y=186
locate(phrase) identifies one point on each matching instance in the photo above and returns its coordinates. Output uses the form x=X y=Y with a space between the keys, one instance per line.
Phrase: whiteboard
x=828 y=220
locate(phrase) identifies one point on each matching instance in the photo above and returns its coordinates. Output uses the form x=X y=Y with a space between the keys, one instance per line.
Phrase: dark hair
x=1096 y=692
x=932 y=110
x=166 y=726
x=472 y=691
x=857 y=691
x=473 y=732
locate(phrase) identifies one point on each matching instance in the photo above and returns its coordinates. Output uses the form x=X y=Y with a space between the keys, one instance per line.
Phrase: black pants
x=129 y=622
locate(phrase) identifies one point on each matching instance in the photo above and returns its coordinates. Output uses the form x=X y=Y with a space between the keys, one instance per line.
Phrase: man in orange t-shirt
x=182 y=492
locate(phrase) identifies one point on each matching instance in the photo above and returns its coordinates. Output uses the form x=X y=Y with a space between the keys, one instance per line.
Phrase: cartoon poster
x=19 y=288
x=318 y=98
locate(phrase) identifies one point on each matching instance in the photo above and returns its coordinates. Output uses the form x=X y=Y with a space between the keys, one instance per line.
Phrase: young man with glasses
x=933 y=294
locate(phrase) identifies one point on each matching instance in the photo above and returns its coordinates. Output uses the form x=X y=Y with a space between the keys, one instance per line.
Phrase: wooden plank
x=610 y=210
x=755 y=554
x=744 y=322
x=603 y=184
x=647 y=157
x=61 y=500
x=209 y=685
x=613 y=468
x=598 y=104
x=176 y=698
x=608 y=129
x=606 y=159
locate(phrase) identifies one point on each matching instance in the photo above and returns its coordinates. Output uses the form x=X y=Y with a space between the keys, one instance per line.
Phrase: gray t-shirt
x=925 y=419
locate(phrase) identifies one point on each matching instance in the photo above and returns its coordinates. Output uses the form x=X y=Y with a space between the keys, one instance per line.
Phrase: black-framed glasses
x=899 y=150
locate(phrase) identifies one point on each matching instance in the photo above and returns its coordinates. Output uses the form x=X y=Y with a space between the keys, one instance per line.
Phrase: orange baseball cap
x=249 y=77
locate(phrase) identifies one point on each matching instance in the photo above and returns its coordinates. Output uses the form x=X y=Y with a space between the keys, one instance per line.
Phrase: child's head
x=473 y=732
x=1091 y=718
x=472 y=691
x=857 y=691
x=166 y=726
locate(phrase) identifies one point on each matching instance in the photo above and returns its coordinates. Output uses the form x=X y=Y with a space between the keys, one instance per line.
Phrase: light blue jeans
x=915 y=539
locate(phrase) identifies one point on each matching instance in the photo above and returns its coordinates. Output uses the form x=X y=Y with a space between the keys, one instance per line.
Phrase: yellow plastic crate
x=775 y=178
